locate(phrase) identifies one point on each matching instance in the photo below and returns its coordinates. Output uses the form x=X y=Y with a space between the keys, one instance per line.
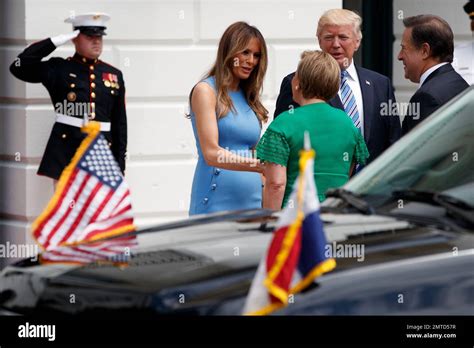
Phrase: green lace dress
x=334 y=137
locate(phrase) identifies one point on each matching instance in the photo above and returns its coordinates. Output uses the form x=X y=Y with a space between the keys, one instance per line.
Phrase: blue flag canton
x=99 y=161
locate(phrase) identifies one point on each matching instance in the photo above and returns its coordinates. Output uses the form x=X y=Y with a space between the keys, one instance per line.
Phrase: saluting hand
x=63 y=38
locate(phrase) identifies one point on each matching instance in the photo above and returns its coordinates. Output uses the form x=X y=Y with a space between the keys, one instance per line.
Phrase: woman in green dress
x=339 y=145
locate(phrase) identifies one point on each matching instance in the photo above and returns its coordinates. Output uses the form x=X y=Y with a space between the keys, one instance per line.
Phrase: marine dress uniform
x=78 y=86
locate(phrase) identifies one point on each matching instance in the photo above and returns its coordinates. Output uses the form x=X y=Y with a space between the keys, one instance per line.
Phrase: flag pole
x=85 y=120
x=307 y=141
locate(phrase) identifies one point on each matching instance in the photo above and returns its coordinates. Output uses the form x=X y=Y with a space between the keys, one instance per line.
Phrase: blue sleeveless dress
x=216 y=189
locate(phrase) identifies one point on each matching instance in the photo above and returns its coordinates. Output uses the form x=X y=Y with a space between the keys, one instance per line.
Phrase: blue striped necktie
x=348 y=100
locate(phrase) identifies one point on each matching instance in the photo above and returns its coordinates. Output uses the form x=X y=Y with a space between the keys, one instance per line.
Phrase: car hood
x=189 y=266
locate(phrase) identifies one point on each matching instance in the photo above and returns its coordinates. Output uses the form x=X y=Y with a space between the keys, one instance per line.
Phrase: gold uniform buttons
x=64 y=136
x=93 y=95
x=93 y=105
x=92 y=85
x=73 y=85
x=91 y=67
x=71 y=96
x=92 y=77
x=84 y=60
x=112 y=91
x=92 y=115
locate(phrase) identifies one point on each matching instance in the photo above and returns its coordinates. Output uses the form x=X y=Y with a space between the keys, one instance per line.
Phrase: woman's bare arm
x=275 y=184
x=203 y=103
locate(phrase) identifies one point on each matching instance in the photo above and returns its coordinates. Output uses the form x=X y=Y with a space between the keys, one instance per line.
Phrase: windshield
x=437 y=156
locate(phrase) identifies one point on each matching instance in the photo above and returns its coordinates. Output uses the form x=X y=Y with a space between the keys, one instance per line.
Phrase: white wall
x=163 y=48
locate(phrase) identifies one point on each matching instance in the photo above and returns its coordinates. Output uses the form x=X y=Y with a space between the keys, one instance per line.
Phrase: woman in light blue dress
x=227 y=115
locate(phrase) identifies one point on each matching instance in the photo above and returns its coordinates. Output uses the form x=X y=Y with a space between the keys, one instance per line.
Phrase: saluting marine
x=78 y=86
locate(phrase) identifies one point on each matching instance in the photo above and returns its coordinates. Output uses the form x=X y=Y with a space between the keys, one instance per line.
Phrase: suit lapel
x=441 y=70
x=367 y=90
x=336 y=102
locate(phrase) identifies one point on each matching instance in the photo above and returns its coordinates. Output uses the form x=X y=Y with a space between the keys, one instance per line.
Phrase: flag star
x=84 y=164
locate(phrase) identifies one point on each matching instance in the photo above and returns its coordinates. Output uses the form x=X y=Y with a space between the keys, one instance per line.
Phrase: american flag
x=92 y=200
x=117 y=251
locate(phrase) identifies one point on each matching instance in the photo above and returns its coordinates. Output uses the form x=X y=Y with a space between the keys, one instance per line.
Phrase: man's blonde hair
x=319 y=75
x=339 y=16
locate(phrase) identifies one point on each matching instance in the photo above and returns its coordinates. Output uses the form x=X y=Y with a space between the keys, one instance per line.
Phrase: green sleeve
x=361 y=152
x=273 y=148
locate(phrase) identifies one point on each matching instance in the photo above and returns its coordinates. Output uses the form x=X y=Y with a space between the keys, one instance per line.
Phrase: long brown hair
x=234 y=41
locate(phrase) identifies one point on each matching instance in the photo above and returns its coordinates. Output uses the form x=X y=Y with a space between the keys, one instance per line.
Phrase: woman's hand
x=260 y=166
x=203 y=103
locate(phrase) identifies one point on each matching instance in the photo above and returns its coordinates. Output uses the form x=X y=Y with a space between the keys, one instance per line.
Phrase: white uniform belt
x=77 y=122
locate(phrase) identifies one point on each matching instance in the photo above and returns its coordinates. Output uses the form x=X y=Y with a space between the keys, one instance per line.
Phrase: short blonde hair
x=339 y=16
x=319 y=75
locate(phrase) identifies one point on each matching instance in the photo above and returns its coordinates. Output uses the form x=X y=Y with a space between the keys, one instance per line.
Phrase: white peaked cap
x=95 y=19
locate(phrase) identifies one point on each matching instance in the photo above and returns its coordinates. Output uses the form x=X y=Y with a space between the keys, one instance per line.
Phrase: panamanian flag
x=296 y=253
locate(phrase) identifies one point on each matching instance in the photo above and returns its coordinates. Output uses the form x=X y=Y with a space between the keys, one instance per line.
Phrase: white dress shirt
x=354 y=84
x=428 y=72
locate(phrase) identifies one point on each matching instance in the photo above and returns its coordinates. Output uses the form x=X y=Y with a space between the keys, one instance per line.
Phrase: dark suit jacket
x=441 y=85
x=380 y=131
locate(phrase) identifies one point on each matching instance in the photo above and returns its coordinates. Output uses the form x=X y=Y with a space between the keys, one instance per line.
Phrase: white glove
x=62 y=39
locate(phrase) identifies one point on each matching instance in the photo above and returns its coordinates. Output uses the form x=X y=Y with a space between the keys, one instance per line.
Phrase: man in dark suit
x=366 y=96
x=79 y=85
x=427 y=53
